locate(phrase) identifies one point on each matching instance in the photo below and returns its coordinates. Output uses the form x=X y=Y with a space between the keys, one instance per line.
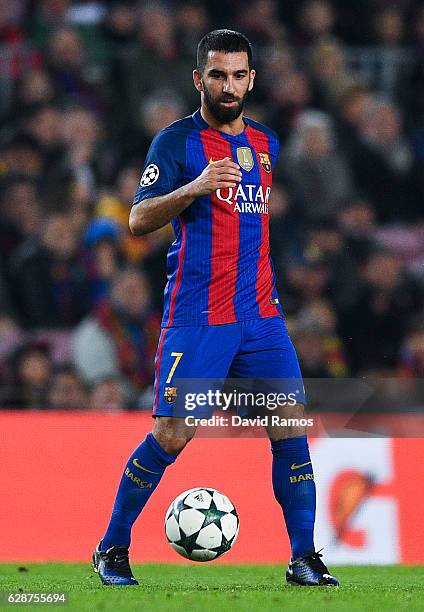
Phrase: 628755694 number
x=33 y=598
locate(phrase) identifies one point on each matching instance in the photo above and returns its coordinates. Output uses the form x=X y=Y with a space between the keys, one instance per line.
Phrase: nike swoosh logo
x=296 y=467
x=140 y=467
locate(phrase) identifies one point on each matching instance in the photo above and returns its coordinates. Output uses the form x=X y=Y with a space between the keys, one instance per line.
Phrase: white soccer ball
x=201 y=524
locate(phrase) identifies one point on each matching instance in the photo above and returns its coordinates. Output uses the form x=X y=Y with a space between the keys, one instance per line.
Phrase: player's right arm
x=151 y=214
x=157 y=201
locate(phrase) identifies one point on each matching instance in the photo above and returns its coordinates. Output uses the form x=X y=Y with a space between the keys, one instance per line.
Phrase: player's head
x=227 y=41
x=224 y=75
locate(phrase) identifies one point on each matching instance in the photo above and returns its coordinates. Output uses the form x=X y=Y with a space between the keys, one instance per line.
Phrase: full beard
x=222 y=114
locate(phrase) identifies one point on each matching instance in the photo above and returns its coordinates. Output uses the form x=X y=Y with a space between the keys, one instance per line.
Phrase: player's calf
x=141 y=476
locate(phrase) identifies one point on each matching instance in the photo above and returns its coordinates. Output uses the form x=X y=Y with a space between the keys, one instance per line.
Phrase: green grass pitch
x=220 y=588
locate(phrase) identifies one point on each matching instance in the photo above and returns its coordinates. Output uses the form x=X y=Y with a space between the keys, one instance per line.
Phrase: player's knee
x=292 y=424
x=172 y=435
x=173 y=444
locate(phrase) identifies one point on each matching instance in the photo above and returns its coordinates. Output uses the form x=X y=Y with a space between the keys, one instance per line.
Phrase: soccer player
x=210 y=175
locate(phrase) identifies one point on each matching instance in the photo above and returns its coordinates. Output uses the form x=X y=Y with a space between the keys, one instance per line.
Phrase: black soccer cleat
x=309 y=571
x=113 y=566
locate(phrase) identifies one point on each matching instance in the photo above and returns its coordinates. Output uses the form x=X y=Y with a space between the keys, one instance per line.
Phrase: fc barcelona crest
x=245 y=158
x=170 y=394
x=265 y=161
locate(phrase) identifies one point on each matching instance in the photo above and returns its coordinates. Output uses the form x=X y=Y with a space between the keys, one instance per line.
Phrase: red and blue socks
x=294 y=489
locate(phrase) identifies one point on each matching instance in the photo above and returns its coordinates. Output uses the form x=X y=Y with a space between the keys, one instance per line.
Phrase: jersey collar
x=201 y=123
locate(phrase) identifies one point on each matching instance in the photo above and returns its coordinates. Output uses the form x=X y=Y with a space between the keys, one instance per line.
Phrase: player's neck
x=233 y=127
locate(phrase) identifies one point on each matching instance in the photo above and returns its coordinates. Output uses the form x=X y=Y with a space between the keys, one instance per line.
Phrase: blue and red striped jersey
x=219 y=267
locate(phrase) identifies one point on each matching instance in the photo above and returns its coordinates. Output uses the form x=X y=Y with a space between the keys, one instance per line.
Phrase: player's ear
x=197 y=79
x=251 y=79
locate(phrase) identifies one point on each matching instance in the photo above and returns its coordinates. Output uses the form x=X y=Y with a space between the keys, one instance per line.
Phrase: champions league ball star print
x=150 y=175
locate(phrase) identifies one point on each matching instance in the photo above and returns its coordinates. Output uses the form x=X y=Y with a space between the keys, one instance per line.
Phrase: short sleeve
x=164 y=166
x=274 y=149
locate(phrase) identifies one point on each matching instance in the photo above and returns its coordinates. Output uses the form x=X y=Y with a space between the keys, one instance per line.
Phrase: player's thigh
x=267 y=352
x=199 y=354
x=268 y=358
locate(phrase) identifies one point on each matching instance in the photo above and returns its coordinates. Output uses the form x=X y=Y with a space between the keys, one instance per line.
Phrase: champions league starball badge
x=150 y=175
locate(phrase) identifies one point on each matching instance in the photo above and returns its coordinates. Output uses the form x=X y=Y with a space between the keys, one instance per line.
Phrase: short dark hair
x=228 y=41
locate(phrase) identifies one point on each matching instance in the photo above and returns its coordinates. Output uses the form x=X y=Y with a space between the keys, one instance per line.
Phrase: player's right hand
x=220 y=174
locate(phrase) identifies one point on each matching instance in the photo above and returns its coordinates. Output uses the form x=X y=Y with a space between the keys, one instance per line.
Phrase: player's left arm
x=274 y=148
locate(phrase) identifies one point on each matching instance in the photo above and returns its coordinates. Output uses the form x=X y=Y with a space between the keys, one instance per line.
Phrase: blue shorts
x=254 y=349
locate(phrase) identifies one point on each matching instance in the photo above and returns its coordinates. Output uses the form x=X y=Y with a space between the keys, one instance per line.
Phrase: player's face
x=225 y=84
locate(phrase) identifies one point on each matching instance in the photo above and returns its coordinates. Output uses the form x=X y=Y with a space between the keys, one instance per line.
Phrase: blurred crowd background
x=84 y=86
